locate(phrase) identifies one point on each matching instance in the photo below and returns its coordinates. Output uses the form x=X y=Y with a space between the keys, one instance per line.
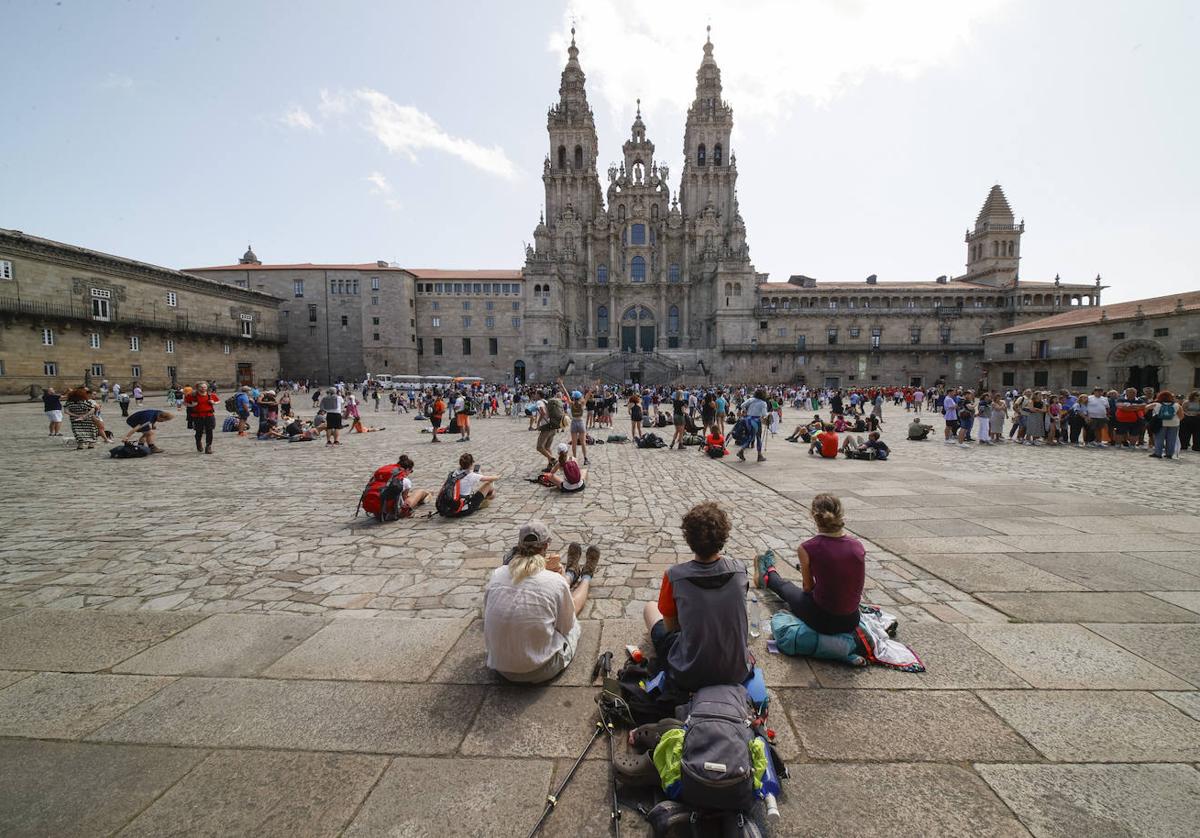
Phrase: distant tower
x=708 y=172
x=248 y=258
x=994 y=246
x=570 y=172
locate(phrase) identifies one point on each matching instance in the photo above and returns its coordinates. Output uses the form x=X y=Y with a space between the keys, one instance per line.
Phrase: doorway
x=638 y=330
x=914 y=381
x=1143 y=376
x=519 y=372
x=245 y=375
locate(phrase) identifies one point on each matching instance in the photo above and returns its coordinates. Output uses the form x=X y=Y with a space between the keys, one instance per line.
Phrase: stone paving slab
x=455 y=797
x=1084 y=543
x=585 y=807
x=54 y=705
x=67 y=788
x=905 y=799
x=1172 y=647
x=304 y=715
x=1068 y=656
x=385 y=649
x=225 y=645
x=533 y=721
x=1113 y=571
x=991 y=572
x=901 y=725
x=1184 y=599
x=1079 y=726
x=82 y=641
x=1066 y=801
x=1188 y=702
x=262 y=793
x=1186 y=560
x=7 y=678
x=1071 y=606
x=466 y=662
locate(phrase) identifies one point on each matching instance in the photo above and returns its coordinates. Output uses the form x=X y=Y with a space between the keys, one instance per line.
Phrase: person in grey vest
x=699 y=624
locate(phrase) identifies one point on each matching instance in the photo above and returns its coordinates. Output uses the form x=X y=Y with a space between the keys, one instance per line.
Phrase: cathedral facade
x=636 y=284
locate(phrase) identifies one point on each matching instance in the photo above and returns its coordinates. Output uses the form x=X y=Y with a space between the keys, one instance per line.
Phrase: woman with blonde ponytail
x=832 y=570
x=529 y=608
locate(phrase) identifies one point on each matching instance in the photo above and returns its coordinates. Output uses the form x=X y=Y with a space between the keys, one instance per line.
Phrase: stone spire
x=571 y=90
x=708 y=77
x=995 y=209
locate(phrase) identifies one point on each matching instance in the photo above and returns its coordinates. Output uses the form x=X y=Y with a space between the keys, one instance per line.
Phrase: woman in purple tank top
x=832 y=569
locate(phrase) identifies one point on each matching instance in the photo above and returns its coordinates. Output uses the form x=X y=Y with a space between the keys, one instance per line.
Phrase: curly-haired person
x=699 y=624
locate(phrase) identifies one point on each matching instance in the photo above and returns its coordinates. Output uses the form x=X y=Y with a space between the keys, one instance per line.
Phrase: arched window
x=578 y=157
x=537 y=290
x=638 y=234
x=728 y=289
x=673 y=272
x=717 y=154
x=700 y=155
x=602 y=320
x=673 y=320
x=737 y=289
x=995 y=248
x=545 y=291
x=637 y=269
x=562 y=157
x=602 y=274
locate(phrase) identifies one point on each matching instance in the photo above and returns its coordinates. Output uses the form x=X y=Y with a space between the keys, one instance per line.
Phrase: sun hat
x=563 y=448
x=534 y=532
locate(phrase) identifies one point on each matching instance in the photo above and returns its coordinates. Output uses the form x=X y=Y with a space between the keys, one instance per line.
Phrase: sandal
x=635 y=769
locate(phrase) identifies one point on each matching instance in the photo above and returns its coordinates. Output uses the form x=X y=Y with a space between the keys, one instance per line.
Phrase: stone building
x=341 y=321
x=68 y=314
x=637 y=284
x=470 y=323
x=1141 y=343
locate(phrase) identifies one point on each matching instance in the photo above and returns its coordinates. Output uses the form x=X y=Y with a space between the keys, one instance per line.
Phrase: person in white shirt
x=1097 y=418
x=530 y=628
x=334 y=406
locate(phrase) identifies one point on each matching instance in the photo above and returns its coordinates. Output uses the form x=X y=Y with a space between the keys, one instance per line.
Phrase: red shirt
x=201 y=407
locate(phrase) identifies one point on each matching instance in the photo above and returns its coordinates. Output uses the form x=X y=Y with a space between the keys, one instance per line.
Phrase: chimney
x=943 y=280
x=872 y=279
x=381 y=264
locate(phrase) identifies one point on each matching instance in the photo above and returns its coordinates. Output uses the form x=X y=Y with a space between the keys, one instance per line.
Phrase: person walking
x=137 y=394
x=200 y=403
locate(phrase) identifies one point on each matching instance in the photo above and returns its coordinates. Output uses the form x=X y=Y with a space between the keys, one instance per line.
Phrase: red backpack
x=382 y=496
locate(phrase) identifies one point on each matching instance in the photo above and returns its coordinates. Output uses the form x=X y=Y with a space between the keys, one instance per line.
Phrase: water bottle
x=770 y=784
x=755 y=616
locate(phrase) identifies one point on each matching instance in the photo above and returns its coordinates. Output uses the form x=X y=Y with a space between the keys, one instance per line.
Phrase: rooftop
x=950 y=286
x=302 y=266
x=1090 y=315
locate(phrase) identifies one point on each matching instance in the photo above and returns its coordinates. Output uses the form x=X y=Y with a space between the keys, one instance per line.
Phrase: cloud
x=297 y=117
x=381 y=186
x=405 y=130
x=772 y=53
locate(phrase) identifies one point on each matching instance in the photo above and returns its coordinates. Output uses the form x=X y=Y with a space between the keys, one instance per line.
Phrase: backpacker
x=742 y=433
x=382 y=497
x=469 y=407
x=449 y=501
x=329 y=403
x=230 y=424
x=716 y=770
x=127 y=450
x=1166 y=412
x=554 y=415
x=231 y=404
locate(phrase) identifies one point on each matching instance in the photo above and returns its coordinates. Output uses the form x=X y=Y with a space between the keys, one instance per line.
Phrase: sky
x=867 y=132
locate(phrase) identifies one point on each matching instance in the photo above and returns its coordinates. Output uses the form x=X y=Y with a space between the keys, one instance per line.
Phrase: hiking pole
x=612 y=773
x=552 y=799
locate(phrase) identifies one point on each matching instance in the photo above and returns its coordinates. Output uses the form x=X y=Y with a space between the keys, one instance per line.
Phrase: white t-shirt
x=459 y=404
x=468 y=484
x=1097 y=408
x=524 y=624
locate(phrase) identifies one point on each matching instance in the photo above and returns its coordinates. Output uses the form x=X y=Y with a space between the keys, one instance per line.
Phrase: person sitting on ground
x=145 y=422
x=839 y=423
x=917 y=430
x=471 y=490
x=300 y=431
x=805 y=432
x=269 y=429
x=359 y=428
x=410 y=498
x=699 y=624
x=855 y=447
x=714 y=443
x=530 y=628
x=832 y=573
x=573 y=475
x=860 y=425
x=825 y=443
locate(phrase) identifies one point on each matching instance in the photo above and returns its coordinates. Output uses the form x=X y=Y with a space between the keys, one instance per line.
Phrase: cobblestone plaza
x=216 y=645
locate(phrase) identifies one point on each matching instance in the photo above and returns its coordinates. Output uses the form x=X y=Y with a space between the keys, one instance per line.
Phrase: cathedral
x=634 y=284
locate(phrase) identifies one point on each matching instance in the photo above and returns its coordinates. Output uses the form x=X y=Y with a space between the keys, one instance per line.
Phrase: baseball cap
x=563 y=448
x=534 y=532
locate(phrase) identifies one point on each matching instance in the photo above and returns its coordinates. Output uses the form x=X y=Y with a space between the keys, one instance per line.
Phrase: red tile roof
x=300 y=266
x=439 y=273
x=1091 y=315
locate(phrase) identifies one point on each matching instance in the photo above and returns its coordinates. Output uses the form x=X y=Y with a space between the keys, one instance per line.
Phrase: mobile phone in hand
x=476 y=469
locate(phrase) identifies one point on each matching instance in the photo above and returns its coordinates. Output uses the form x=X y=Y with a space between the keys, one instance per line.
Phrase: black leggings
x=203 y=426
x=801 y=603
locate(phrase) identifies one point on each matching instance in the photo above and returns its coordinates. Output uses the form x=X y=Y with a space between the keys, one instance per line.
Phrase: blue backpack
x=742 y=433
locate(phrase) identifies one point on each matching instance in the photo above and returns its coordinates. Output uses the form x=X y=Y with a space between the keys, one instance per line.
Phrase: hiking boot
x=763 y=564
x=761 y=458
x=742 y=455
x=154 y=449
x=574 y=554
x=591 y=561
x=208 y=449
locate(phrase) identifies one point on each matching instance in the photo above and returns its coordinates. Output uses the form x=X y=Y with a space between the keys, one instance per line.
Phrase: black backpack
x=127 y=450
x=231 y=404
x=651 y=440
x=449 y=503
x=716 y=772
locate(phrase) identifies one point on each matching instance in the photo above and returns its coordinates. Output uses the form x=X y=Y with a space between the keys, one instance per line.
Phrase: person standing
x=755 y=410
x=137 y=394
x=104 y=391
x=1165 y=412
x=436 y=409
x=1189 y=425
x=333 y=404
x=200 y=403
x=52 y=404
x=678 y=405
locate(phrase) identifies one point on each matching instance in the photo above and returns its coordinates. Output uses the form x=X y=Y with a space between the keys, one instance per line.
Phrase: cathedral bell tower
x=570 y=170
x=709 y=173
x=994 y=246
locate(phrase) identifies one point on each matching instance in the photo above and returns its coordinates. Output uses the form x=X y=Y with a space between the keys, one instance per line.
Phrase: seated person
x=269 y=429
x=918 y=431
x=410 y=498
x=145 y=422
x=714 y=443
x=805 y=432
x=860 y=425
x=471 y=489
x=530 y=628
x=319 y=423
x=874 y=422
x=359 y=428
x=699 y=624
x=839 y=424
x=825 y=443
x=832 y=573
x=572 y=477
x=856 y=446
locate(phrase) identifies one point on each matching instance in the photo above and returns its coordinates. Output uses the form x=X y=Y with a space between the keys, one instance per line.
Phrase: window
x=241 y=283
x=6 y=270
x=170 y=346
x=226 y=349
x=1041 y=378
x=334 y=285
x=354 y=284
x=312 y=313
x=673 y=320
x=172 y=300
x=1161 y=333
x=876 y=337
x=1007 y=379
x=516 y=321
x=50 y=368
x=1 y=368
x=436 y=305
x=1079 y=378
x=602 y=324
x=466 y=321
x=94 y=340
x=458 y=287
x=833 y=304
x=101 y=299
x=914 y=334
x=1118 y=336
x=717 y=154
x=1010 y=348
x=637 y=234
x=437 y=346
x=247 y=326
x=436 y=322
x=466 y=343
x=375 y=301
x=135 y=371
x=673 y=272
x=1081 y=343
x=700 y=155
x=801 y=340
x=466 y=305
x=298 y=288
x=516 y=305
x=601 y=274
x=98 y=370
x=437 y=286
x=1040 y=349
x=944 y=334
x=345 y=322
x=374 y=283
x=375 y=336
x=493 y=346
x=489 y=305
x=478 y=288
x=637 y=271
x=135 y=343
x=286 y=313
x=831 y=335
x=855 y=331
x=489 y=322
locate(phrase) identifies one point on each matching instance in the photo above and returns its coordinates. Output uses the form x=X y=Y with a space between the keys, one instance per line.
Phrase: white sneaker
x=964 y=445
x=950 y=442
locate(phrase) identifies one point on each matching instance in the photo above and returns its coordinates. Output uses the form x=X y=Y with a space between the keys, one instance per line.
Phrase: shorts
x=473 y=503
x=545 y=438
x=243 y=414
x=677 y=419
x=663 y=641
x=952 y=425
x=1129 y=428
x=333 y=421
x=559 y=661
x=965 y=424
x=435 y=422
x=578 y=427
x=54 y=415
x=578 y=488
